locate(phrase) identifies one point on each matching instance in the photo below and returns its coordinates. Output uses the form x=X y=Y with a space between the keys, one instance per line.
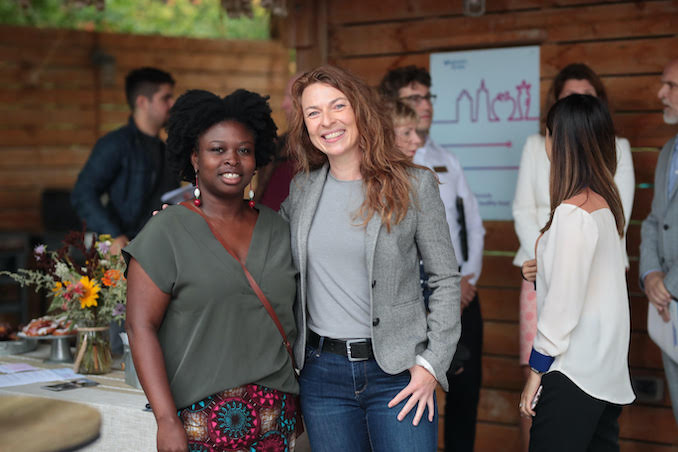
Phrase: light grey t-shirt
x=338 y=286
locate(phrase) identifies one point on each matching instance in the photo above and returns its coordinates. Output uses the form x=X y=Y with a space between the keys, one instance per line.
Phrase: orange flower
x=111 y=277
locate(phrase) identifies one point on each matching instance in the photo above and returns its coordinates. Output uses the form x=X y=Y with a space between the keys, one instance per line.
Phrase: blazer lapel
x=309 y=204
x=371 y=236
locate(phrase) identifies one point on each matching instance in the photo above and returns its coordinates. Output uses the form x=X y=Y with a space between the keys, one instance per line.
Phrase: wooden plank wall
x=627 y=43
x=55 y=102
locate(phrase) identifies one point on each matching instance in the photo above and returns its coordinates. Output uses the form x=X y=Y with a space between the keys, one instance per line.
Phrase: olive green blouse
x=216 y=334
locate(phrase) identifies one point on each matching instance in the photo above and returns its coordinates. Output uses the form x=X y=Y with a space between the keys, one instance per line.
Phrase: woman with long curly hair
x=361 y=216
x=208 y=352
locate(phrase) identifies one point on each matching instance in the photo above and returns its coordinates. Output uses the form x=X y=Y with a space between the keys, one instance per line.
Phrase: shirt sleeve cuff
x=421 y=361
x=539 y=362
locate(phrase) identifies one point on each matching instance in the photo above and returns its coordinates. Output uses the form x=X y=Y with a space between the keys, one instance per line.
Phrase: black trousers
x=461 y=407
x=569 y=420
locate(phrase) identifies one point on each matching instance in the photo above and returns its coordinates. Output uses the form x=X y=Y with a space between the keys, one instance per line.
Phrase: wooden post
x=305 y=31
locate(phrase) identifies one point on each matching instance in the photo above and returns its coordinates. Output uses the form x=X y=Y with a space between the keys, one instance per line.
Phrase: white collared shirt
x=453 y=184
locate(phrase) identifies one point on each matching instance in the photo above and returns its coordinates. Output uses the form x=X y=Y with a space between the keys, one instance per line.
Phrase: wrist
x=538 y=372
x=170 y=418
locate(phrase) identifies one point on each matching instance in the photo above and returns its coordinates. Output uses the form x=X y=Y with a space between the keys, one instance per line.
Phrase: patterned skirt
x=249 y=418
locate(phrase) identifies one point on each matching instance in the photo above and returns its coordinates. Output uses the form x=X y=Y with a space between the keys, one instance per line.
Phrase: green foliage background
x=194 y=18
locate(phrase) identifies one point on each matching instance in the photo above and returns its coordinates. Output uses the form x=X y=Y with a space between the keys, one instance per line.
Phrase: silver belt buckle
x=348 y=349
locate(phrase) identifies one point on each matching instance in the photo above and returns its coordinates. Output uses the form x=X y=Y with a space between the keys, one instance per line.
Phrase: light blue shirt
x=673 y=170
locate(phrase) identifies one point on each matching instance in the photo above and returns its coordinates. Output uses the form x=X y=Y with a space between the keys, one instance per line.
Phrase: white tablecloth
x=125 y=425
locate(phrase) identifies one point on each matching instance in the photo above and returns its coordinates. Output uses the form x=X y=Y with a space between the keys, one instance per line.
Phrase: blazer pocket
x=408 y=302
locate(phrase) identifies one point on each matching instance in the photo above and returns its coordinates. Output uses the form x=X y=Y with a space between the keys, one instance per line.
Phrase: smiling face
x=330 y=121
x=422 y=106
x=225 y=159
x=407 y=140
x=668 y=93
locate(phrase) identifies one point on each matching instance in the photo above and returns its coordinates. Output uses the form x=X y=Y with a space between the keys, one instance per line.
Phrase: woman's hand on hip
x=420 y=390
x=171 y=435
x=529 y=394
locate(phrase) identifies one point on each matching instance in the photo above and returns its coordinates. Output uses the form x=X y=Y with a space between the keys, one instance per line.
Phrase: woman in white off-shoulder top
x=532 y=204
x=579 y=356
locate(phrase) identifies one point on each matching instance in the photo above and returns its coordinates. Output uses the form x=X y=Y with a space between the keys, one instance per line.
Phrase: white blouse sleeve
x=566 y=262
x=625 y=178
x=525 y=219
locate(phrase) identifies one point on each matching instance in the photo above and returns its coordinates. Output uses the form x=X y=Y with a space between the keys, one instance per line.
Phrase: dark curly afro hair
x=196 y=111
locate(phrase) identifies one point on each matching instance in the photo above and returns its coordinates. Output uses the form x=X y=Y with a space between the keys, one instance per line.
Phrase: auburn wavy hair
x=583 y=153
x=384 y=170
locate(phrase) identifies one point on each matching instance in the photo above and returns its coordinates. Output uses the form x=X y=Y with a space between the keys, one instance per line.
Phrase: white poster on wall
x=487 y=105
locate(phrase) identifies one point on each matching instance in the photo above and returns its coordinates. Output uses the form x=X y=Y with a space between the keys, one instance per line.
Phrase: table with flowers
x=85 y=283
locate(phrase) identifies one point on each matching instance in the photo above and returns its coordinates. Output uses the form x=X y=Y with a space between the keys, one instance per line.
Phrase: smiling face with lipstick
x=224 y=159
x=331 y=123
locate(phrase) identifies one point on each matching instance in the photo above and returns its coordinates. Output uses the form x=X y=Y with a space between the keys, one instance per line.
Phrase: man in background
x=273 y=183
x=128 y=165
x=412 y=85
x=659 y=232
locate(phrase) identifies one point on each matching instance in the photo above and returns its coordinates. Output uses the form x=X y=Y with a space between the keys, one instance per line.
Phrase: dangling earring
x=196 y=192
x=251 y=194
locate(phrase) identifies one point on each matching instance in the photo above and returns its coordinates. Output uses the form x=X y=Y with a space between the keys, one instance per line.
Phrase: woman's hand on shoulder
x=529 y=270
x=171 y=435
x=164 y=206
x=420 y=391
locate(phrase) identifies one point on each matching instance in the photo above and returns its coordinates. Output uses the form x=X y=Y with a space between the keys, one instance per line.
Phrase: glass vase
x=93 y=351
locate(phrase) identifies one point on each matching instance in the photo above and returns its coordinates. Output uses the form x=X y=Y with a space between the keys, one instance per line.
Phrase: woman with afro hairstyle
x=209 y=356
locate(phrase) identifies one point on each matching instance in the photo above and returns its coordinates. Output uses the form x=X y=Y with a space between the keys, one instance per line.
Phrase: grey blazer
x=401 y=328
x=659 y=232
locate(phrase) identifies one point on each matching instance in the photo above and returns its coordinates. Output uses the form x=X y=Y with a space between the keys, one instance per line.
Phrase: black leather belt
x=353 y=349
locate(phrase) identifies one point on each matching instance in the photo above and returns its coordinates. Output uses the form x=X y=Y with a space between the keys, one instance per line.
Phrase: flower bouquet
x=87 y=286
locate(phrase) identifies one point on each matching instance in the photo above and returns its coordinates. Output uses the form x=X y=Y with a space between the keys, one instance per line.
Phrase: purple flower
x=119 y=309
x=39 y=251
x=103 y=247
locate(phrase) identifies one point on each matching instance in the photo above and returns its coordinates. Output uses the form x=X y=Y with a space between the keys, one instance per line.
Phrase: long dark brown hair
x=384 y=170
x=583 y=153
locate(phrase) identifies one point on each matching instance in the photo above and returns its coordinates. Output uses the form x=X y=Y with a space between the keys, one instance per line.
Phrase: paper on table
x=38 y=376
x=664 y=334
x=15 y=367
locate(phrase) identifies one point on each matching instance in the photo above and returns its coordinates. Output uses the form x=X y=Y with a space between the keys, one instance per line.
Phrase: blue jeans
x=345 y=407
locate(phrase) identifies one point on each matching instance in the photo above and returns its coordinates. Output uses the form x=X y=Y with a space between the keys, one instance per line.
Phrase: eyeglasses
x=416 y=99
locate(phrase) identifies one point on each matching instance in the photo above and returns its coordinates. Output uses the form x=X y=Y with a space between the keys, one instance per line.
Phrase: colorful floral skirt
x=249 y=418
